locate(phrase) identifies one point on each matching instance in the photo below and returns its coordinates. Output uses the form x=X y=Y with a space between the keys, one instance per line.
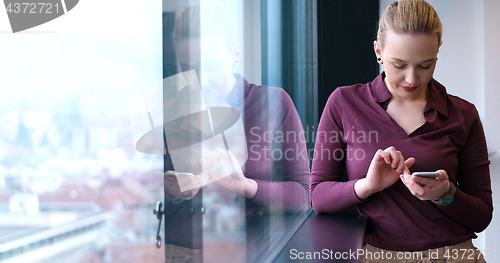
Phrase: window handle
x=158 y=211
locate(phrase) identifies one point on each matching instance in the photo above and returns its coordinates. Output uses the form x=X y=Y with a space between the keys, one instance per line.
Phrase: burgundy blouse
x=355 y=124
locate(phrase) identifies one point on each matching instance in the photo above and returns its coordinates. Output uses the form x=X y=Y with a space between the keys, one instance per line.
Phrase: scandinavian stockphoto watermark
x=170 y=116
x=279 y=145
x=25 y=14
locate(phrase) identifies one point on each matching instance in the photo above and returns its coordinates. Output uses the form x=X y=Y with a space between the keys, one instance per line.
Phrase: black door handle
x=158 y=211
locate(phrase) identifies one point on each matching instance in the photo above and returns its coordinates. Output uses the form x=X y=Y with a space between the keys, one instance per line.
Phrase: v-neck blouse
x=355 y=124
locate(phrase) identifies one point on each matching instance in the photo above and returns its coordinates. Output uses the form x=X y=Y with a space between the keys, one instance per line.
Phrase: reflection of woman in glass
x=205 y=41
x=276 y=171
x=407 y=113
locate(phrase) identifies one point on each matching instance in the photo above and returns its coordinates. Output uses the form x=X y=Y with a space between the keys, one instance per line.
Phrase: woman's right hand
x=385 y=168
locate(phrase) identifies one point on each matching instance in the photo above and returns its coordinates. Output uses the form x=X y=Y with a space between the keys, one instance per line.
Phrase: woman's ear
x=376 y=48
x=440 y=45
x=378 y=52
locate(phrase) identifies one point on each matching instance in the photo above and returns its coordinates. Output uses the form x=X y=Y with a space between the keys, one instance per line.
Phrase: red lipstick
x=409 y=88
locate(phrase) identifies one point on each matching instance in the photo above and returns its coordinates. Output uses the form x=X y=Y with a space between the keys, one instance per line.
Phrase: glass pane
x=73 y=187
x=243 y=143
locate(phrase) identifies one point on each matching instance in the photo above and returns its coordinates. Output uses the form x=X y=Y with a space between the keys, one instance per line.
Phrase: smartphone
x=175 y=174
x=426 y=174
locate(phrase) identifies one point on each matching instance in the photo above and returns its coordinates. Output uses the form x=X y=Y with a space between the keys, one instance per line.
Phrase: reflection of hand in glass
x=222 y=163
x=173 y=182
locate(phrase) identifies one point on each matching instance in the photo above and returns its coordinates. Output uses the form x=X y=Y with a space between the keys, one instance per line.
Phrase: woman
x=405 y=112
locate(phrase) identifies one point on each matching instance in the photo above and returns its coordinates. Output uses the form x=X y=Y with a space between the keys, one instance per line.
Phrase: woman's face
x=212 y=62
x=409 y=61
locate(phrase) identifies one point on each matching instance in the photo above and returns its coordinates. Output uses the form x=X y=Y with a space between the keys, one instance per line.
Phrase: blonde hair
x=409 y=17
x=215 y=22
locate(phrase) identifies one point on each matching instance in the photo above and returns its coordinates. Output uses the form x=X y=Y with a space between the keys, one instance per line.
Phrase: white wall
x=491 y=73
x=468 y=66
x=491 y=115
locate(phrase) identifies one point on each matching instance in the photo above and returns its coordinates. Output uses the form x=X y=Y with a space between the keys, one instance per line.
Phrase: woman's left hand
x=427 y=188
